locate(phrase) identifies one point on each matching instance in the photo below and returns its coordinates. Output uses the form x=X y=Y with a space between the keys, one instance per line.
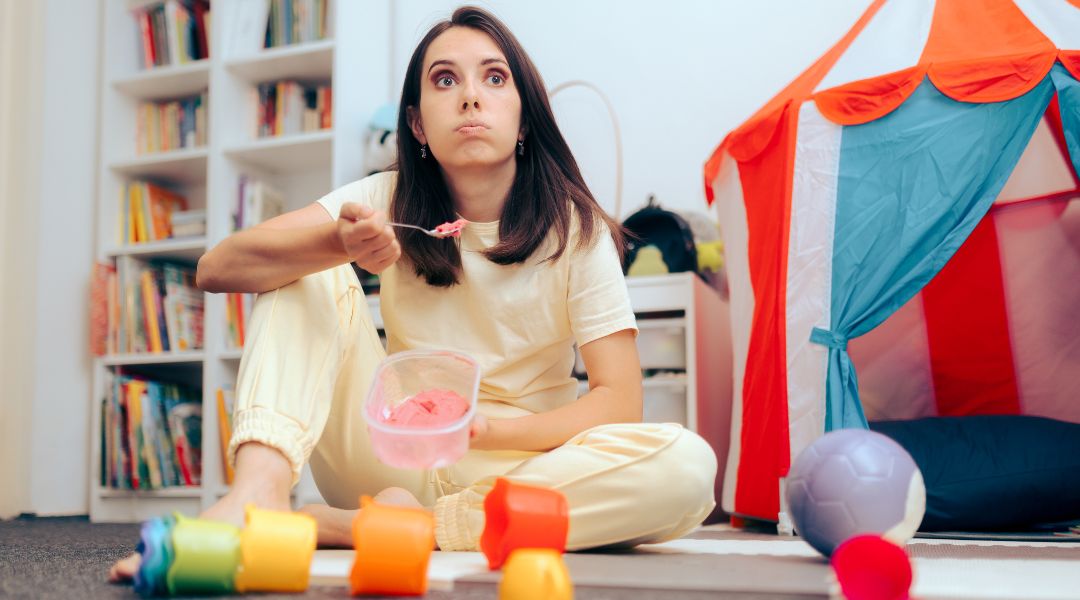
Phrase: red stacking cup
x=522 y=516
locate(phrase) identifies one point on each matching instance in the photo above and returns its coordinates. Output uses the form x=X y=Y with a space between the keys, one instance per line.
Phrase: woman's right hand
x=366 y=238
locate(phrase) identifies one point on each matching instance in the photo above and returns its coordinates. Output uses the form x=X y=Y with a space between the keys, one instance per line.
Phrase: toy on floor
x=522 y=516
x=206 y=557
x=851 y=482
x=437 y=376
x=393 y=546
x=535 y=574
x=869 y=567
x=277 y=549
x=187 y=556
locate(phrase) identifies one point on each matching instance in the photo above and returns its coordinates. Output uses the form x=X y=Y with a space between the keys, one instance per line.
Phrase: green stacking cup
x=206 y=554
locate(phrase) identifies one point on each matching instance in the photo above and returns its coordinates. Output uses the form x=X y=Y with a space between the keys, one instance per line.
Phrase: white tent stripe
x=893 y=40
x=1057 y=19
x=731 y=216
x=809 y=271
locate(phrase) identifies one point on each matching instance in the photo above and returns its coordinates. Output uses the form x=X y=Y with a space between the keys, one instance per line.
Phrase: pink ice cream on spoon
x=452 y=228
x=429 y=409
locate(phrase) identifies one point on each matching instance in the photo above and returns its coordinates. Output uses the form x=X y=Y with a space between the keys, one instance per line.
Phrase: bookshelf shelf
x=287 y=154
x=170 y=492
x=162 y=83
x=311 y=61
x=187 y=165
x=231 y=355
x=156 y=358
x=184 y=248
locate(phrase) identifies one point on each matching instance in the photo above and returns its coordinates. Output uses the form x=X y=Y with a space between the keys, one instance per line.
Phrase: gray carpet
x=54 y=558
x=70 y=557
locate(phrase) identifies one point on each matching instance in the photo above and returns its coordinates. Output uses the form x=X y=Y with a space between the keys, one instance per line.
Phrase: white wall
x=49 y=250
x=680 y=73
x=20 y=121
x=63 y=254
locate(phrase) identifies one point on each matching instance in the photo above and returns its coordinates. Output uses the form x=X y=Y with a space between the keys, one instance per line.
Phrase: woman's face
x=470 y=111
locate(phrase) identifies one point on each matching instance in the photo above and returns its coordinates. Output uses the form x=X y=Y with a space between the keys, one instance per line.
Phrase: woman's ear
x=415 y=125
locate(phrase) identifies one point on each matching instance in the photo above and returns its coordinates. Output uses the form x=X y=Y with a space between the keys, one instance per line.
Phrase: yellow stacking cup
x=535 y=574
x=276 y=549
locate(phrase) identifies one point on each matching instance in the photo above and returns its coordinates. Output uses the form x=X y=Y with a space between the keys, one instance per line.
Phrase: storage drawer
x=665 y=399
x=662 y=343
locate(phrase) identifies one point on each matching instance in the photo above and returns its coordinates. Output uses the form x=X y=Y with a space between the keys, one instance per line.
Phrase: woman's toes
x=125 y=568
x=395 y=496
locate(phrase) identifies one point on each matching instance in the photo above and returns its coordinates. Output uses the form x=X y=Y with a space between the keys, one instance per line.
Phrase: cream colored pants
x=310 y=354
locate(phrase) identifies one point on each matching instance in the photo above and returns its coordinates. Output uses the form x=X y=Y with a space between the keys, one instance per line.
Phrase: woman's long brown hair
x=548 y=188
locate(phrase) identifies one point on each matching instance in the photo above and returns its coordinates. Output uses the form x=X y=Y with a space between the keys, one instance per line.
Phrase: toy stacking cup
x=522 y=516
x=404 y=375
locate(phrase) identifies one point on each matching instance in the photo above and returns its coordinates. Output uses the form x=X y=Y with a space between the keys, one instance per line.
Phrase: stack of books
x=151 y=435
x=288 y=107
x=146 y=212
x=173 y=32
x=295 y=21
x=149 y=306
x=163 y=126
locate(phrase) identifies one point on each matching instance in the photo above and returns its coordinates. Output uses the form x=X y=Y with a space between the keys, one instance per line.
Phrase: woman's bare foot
x=335 y=524
x=263 y=478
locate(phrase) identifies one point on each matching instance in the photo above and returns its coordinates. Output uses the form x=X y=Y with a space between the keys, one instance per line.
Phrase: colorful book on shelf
x=172 y=32
x=146 y=211
x=152 y=306
x=256 y=201
x=150 y=297
x=101 y=308
x=171 y=125
x=163 y=203
x=295 y=21
x=288 y=107
x=234 y=320
x=225 y=403
x=150 y=434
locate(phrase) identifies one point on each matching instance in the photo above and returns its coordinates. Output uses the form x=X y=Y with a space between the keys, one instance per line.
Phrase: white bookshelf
x=303 y=167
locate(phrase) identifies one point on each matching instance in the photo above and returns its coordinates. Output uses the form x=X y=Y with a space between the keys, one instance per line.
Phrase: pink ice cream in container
x=419 y=408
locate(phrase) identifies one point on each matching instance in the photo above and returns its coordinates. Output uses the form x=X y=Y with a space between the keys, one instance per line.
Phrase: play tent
x=851 y=190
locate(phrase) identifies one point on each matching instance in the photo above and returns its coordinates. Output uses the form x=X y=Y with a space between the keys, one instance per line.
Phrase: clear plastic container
x=401 y=376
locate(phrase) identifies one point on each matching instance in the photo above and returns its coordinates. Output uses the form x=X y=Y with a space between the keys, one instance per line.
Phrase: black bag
x=669 y=232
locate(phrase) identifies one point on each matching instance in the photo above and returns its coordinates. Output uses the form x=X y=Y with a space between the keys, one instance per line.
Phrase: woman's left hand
x=478 y=431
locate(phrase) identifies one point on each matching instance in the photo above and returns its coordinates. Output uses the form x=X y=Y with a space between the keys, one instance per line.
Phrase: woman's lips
x=471 y=129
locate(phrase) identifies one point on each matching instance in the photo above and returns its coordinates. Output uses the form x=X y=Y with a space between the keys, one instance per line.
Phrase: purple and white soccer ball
x=851 y=482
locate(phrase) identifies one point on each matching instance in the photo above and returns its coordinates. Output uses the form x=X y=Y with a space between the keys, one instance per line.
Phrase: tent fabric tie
x=828 y=339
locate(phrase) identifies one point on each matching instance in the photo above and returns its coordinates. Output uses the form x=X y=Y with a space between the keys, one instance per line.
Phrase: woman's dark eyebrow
x=450 y=63
x=441 y=62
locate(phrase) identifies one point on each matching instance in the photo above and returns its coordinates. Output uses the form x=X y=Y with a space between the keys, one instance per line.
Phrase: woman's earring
x=521 y=147
x=423 y=151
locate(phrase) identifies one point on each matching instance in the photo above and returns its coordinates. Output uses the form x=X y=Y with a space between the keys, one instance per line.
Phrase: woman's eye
x=496 y=79
x=444 y=81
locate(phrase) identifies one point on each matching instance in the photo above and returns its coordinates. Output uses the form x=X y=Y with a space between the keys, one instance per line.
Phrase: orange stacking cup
x=393 y=547
x=522 y=516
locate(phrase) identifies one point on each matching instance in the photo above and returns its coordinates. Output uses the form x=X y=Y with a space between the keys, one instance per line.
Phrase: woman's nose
x=469 y=97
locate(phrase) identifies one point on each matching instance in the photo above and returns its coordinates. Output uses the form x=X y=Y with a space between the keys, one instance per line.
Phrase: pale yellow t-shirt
x=519 y=321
